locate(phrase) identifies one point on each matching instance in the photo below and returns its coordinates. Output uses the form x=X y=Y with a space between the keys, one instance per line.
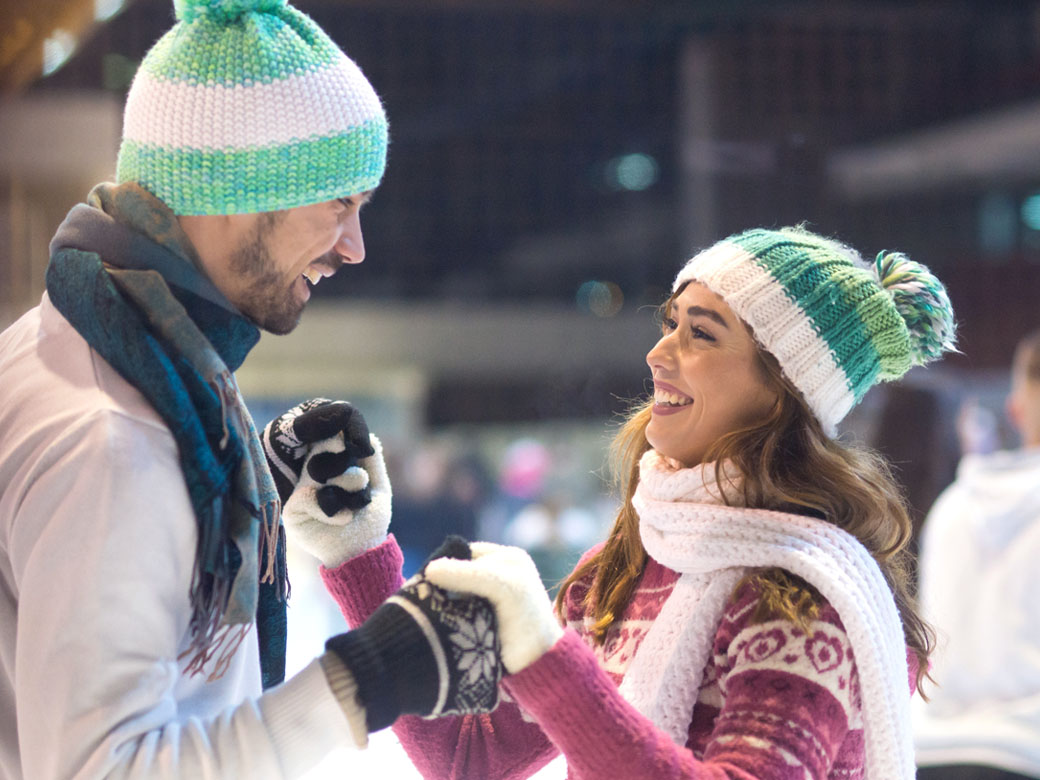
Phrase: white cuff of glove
x=334 y=540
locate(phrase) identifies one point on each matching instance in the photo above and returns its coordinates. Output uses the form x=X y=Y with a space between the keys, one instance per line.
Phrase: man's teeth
x=313 y=275
x=672 y=399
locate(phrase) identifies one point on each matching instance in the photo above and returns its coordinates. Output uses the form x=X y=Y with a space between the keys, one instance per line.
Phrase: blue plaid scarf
x=126 y=277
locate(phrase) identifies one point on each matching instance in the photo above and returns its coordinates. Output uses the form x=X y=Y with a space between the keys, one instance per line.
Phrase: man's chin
x=281 y=325
x=277 y=322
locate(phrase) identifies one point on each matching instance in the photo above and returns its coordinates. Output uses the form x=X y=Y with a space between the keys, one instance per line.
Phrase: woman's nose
x=659 y=356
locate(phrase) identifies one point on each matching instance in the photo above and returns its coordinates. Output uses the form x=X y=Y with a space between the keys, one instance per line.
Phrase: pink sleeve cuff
x=362 y=583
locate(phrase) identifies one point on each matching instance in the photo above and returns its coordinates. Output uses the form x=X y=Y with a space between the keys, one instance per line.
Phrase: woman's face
x=708 y=379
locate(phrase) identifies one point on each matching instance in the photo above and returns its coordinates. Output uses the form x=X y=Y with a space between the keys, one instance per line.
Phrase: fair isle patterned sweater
x=772 y=696
x=775 y=703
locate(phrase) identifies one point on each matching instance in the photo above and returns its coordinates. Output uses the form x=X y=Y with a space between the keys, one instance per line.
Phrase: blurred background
x=552 y=165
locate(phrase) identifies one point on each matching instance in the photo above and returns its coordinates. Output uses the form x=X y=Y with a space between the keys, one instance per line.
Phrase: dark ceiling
x=509 y=121
x=25 y=24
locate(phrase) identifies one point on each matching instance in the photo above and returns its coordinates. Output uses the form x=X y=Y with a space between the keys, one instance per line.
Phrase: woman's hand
x=332 y=479
x=508 y=578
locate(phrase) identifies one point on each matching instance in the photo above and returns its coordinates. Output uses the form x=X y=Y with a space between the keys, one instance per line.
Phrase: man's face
x=278 y=256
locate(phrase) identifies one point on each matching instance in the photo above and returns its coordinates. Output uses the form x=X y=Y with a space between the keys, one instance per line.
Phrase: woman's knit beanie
x=836 y=324
x=247 y=106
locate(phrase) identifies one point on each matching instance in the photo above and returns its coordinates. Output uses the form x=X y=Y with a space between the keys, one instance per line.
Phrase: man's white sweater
x=97 y=544
x=980 y=588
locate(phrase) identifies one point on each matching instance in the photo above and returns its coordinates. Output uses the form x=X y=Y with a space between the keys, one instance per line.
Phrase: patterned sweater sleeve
x=500 y=746
x=790 y=696
x=786 y=699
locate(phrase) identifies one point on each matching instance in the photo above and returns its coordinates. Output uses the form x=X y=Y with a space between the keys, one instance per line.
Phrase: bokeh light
x=604 y=299
x=633 y=172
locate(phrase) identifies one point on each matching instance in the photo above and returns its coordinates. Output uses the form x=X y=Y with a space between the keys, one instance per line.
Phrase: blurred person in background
x=749 y=614
x=140 y=531
x=978 y=429
x=980 y=588
x=436 y=479
x=916 y=432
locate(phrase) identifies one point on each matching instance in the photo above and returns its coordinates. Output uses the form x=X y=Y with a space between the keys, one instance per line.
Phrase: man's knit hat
x=247 y=106
x=836 y=324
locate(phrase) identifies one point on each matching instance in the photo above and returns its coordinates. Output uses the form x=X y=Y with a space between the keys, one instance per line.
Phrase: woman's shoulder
x=752 y=625
x=777 y=597
x=574 y=598
x=757 y=646
x=588 y=554
x=654 y=583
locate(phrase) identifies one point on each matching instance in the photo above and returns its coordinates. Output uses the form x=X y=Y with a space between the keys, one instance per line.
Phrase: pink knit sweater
x=775 y=702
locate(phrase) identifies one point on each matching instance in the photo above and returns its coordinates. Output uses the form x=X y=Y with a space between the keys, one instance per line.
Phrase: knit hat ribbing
x=247 y=106
x=834 y=323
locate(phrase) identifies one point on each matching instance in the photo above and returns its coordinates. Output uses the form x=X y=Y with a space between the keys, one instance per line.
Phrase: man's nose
x=351 y=243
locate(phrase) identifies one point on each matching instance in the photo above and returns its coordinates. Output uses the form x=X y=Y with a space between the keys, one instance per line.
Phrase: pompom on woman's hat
x=836 y=324
x=247 y=106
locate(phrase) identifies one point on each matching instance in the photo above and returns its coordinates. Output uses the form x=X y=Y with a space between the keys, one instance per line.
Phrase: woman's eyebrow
x=711 y=314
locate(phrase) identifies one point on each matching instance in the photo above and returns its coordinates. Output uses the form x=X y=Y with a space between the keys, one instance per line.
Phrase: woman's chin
x=677 y=457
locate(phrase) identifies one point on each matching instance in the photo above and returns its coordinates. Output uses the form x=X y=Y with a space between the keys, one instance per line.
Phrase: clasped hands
x=442 y=643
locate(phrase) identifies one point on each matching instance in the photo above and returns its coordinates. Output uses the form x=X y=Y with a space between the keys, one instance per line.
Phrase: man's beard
x=268 y=301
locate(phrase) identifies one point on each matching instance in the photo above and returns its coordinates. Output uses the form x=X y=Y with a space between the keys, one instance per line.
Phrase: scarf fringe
x=223 y=644
x=272 y=548
x=209 y=595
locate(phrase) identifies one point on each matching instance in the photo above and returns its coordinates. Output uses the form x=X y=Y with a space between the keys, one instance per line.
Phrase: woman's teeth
x=671 y=399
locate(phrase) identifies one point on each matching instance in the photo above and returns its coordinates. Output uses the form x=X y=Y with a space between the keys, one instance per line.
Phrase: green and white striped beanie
x=836 y=324
x=247 y=106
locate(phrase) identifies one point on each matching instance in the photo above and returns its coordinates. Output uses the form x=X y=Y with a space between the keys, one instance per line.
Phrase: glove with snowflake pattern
x=425 y=651
x=509 y=579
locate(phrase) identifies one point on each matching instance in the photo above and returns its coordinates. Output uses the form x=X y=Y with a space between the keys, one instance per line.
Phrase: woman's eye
x=698 y=333
x=668 y=324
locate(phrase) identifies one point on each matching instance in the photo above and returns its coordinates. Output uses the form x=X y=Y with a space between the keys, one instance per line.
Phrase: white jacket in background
x=97 y=544
x=980 y=588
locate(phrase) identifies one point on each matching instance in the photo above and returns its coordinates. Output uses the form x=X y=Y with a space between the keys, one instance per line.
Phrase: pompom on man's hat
x=247 y=106
x=836 y=324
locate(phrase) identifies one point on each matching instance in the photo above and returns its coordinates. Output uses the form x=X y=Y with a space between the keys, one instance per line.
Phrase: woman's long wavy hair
x=788 y=464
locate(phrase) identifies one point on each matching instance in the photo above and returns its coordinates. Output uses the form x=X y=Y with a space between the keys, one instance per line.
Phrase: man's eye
x=347 y=202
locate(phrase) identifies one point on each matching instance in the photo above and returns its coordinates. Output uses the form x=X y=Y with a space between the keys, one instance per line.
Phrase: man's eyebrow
x=711 y=314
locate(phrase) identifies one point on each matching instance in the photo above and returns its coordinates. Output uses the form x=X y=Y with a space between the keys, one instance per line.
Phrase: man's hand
x=332 y=479
x=288 y=439
x=425 y=651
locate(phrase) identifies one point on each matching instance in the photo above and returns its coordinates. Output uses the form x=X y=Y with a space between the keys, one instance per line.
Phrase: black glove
x=425 y=651
x=287 y=440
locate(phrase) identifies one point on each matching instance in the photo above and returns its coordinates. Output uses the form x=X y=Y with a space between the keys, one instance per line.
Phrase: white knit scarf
x=685 y=527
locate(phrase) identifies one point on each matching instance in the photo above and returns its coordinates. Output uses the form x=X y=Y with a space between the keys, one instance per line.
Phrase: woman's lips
x=668 y=400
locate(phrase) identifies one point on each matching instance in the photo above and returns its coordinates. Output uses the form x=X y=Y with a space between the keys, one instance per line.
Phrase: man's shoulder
x=53 y=379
